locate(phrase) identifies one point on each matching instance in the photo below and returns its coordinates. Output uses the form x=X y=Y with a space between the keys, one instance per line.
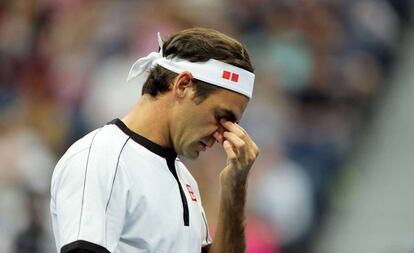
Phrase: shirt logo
x=190 y=191
x=230 y=76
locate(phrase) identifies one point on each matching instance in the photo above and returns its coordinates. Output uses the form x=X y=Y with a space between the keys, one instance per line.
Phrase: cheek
x=204 y=122
x=201 y=124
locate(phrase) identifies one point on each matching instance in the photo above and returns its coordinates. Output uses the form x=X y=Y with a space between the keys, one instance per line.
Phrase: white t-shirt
x=116 y=191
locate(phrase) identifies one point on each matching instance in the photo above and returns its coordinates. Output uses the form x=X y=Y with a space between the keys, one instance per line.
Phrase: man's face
x=193 y=125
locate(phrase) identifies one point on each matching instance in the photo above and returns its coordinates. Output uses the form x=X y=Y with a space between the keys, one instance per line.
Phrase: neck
x=149 y=118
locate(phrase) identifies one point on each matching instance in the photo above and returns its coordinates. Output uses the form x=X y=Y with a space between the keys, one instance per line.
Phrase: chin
x=192 y=155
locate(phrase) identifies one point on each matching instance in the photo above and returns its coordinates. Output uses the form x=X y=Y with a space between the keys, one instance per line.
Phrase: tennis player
x=122 y=188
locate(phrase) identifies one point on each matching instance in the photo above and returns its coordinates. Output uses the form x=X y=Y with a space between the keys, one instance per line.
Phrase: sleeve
x=206 y=234
x=206 y=237
x=89 y=200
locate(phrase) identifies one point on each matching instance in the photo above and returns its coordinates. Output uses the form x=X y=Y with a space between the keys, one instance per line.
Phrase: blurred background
x=331 y=112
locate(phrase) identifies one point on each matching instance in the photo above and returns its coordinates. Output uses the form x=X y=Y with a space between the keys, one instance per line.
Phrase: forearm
x=230 y=231
x=241 y=153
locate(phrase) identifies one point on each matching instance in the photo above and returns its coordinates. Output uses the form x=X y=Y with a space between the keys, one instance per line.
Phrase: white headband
x=212 y=71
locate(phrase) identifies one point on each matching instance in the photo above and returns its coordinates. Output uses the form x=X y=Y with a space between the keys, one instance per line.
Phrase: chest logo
x=190 y=191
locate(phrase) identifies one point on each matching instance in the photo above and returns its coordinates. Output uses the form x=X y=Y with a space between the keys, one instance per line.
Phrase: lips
x=203 y=146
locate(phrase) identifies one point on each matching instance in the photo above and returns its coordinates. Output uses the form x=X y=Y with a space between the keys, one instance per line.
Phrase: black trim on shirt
x=171 y=167
x=150 y=145
x=205 y=249
x=168 y=153
x=83 y=245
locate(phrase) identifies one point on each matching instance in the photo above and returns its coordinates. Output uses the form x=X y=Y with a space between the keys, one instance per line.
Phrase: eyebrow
x=227 y=114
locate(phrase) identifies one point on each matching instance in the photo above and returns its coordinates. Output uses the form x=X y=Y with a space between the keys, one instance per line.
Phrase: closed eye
x=226 y=115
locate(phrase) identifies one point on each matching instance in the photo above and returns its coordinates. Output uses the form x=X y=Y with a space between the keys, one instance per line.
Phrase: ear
x=182 y=84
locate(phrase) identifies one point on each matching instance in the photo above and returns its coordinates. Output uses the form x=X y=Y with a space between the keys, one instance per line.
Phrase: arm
x=241 y=153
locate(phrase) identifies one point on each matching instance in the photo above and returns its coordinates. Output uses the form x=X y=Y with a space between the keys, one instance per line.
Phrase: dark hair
x=196 y=45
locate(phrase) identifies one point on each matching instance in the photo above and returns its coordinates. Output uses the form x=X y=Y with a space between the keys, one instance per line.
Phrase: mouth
x=203 y=146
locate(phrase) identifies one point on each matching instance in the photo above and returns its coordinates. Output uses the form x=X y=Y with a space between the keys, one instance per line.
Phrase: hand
x=240 y=149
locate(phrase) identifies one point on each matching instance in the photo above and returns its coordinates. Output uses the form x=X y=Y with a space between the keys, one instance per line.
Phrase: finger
x=232 y=127
x=231 y=155
x=235 y=140
x=237 y=126
x=239 y=131
x=238 y=144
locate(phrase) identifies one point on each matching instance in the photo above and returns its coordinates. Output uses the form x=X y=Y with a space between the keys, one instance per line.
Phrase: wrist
x=230 y=178
x=232 y=188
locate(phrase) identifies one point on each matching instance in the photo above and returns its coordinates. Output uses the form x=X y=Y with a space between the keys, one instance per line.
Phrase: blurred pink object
x=260 y=237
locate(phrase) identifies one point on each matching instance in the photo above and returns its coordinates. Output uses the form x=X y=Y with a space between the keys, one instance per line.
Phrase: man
x=122 y=188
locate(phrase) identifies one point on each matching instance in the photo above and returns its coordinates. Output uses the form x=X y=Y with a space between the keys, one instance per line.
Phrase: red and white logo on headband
x=230 y=76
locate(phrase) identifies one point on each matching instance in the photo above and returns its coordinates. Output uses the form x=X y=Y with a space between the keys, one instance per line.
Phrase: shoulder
x=102 y=141
x=96 y=153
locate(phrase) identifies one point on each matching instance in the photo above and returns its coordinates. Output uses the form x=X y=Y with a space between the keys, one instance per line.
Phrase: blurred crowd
x=321 y=65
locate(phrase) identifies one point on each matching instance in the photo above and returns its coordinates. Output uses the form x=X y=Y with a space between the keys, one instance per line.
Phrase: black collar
x=150 y=145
